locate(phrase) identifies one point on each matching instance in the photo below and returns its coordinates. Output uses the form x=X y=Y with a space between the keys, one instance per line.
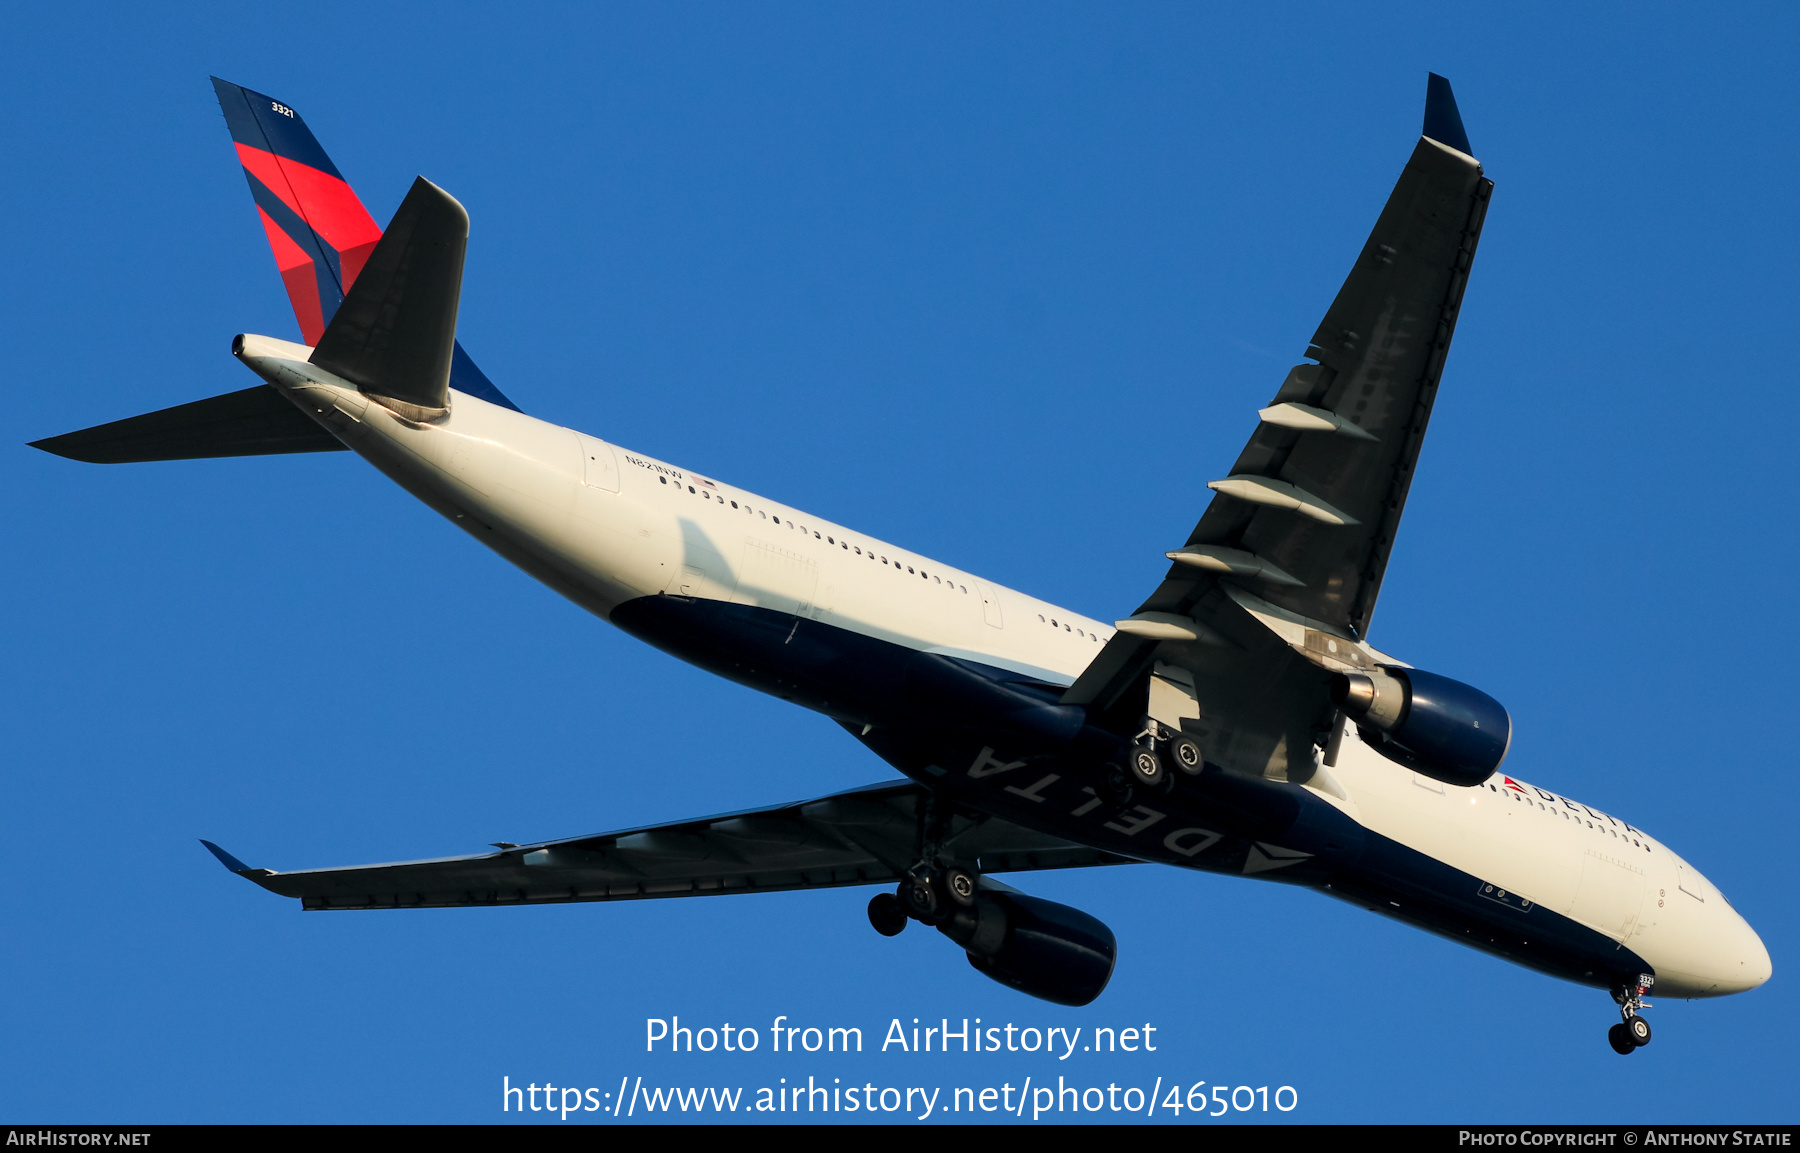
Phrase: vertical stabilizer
x=319 y=231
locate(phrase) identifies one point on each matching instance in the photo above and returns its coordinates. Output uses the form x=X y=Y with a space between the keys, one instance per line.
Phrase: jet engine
x=1433 y=725
x=1036 y=946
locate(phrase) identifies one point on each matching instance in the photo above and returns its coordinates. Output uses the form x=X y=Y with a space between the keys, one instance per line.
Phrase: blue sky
x=1003 y=283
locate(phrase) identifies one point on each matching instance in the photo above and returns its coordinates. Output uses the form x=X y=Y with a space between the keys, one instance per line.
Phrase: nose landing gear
x=1633 y=1032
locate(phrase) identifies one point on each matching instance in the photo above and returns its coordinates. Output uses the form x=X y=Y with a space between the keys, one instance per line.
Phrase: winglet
x=1443 y=123
x=231 y=862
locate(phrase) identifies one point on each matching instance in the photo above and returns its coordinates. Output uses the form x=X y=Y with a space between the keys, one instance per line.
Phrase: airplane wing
x=866 y=836
x=1275 y=587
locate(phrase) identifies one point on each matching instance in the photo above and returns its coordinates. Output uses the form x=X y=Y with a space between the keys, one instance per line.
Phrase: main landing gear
x=929 y=896
x=1160 y=753
x=1633 y=1032
x=930 y=893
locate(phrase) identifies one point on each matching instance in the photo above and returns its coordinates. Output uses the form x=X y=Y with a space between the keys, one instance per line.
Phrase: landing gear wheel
x=887 y=914
x=1619 y=1037
x=1116 y=789
x=1184 y=753
x=1147 y=768
x=962 y=887
x=919 y=898
x=1638 y=1030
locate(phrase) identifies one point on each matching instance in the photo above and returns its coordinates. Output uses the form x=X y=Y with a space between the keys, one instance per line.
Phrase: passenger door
x=599 y=468
x=990 y=605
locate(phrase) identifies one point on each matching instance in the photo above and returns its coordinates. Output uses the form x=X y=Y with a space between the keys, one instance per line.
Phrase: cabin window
x=777 y=520
x=734 y=504
x=690 y=488
x=664 y=479
x=909 y=568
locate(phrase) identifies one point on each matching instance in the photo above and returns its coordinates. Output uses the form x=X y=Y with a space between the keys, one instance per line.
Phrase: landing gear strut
x=1632 y=1032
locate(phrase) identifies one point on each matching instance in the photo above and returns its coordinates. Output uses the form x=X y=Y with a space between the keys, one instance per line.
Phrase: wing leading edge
x=861 y=837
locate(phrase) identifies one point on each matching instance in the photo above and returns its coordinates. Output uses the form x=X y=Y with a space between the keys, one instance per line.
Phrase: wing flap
x=862 y=837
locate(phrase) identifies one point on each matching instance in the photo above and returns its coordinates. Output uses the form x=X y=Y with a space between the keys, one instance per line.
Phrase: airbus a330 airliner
x=1237 y=722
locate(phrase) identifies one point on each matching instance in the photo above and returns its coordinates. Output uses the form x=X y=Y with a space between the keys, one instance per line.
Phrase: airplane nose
x=1746 y=959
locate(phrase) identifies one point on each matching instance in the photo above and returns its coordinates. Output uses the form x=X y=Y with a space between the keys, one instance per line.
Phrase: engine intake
x=1038 y=947
x=1433 y=725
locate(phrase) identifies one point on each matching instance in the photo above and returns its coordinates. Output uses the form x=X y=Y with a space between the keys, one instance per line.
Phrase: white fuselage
x=604 y=526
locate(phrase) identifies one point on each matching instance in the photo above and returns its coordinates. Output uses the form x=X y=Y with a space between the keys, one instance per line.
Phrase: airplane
x=1238 y=721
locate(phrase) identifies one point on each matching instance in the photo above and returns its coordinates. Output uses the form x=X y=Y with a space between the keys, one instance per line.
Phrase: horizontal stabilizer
x=395 y=334
x=255 y=422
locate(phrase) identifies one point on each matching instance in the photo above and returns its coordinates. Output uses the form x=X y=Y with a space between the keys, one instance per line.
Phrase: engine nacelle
x=1036 y=946
x=1433 y=725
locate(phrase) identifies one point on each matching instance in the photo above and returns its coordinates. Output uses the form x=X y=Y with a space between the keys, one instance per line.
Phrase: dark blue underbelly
x=996 y=742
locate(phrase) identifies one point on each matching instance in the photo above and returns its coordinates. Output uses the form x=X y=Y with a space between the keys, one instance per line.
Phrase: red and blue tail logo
x=319 y=231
